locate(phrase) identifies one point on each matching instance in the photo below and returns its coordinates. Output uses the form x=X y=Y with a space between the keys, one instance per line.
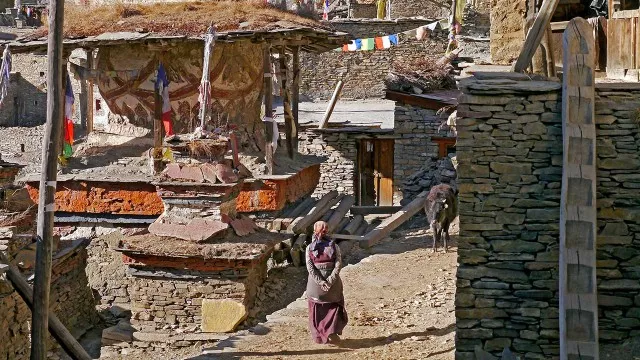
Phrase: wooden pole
x=295 y=97
x=578 y=213
x=332 y=104
x=49 y=173
x=90 y=99
x=157 y=127
x=58 y=330
x=268 y=111
x=534 y=36
x=286 y=104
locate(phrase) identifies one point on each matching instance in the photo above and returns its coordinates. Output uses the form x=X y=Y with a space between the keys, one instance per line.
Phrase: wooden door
x=366 y=169
x=383 y=150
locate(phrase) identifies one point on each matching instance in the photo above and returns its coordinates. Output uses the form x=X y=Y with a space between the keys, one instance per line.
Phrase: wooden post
x=578 y=213
x=332 y=104
x=268 y=111
x=48 y=177
x=534 y=36
x=59 y=332
x=295 y=97
x=90 y=99
x=286 y=103
x=157 y=127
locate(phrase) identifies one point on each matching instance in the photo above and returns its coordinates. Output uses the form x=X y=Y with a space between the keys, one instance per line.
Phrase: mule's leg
x=445 y=237
x=436 y=234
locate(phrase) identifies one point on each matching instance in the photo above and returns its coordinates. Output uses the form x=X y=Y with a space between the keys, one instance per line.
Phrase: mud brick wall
x=509 y=176
x=506 y=33
x=413 y=127
x=364 y=72
x=340 y=151
x=159 y=303
x=71 y=301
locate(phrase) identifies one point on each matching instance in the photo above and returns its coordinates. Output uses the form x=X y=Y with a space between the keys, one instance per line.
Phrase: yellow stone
x=220 y=316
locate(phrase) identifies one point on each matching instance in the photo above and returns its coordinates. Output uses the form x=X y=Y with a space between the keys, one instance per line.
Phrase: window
x=446 y=145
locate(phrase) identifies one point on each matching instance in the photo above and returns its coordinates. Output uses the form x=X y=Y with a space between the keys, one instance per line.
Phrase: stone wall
x=71 y=301
x=340 y=151
x=364 y=71
x=413 y=128
x=509 y=150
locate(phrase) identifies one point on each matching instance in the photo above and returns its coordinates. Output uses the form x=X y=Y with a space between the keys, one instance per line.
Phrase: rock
x=516 y=246
x=477 y=272
x=619 y=284
x=193 y=173
x=243 y=226
x=497 y=344
x=196 y=230
x=219 y=316
x=123 y=332
x=535 y=128
x=225 y=174
x=480 y=314
x=209 y=172
x=511 y=168
x=619 y=163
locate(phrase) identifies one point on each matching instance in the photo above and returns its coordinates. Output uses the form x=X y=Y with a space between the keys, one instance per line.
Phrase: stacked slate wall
x=363 y=72
x=509 y=176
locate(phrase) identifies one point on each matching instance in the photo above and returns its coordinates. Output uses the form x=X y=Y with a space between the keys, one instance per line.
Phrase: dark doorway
x=375 y=172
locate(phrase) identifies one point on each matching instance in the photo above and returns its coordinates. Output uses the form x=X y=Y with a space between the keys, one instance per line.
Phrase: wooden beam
x=332 y=104
x=354 y=225
x=342 y=210
x=315 y=214
x=51 y=145
x=397 y=219
x=534 y=36
x=90 y=88
x=268 y=110
x=368 y=210
x=286 y=104
x=346 y=237
x=295 y=97
x=578 y=213
x=57 y=329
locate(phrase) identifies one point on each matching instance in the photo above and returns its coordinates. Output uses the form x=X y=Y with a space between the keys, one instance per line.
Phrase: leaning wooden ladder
x=578 y=217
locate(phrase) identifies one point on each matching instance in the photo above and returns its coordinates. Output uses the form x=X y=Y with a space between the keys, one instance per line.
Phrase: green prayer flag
x=368 y=44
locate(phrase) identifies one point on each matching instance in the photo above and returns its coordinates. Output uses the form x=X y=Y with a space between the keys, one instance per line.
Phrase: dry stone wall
x=509 y=150
x=364 y=72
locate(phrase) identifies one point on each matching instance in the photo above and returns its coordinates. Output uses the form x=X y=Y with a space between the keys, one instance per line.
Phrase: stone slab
x=220 y=316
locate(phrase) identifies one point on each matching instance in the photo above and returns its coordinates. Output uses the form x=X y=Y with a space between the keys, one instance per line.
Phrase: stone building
x=375 y=163
x=510 y=157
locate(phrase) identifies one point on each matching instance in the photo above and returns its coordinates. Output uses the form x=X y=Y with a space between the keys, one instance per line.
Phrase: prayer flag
x=358 y=44
x=325 y=13
x=162 y=87
x=352 y=46
x=393 y=39
x=386 y=43
x=368 y=44
x=345 y=47
x=379 y=44
x=67 y=149
x=5 y=73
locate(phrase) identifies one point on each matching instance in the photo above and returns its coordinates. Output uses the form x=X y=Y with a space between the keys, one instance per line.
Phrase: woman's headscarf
x=319 y=243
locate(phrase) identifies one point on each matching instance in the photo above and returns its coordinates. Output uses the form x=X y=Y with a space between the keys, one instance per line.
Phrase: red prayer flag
x=379 y=44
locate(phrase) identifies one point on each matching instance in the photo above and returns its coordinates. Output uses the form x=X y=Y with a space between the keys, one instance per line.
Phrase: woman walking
x=327 y=315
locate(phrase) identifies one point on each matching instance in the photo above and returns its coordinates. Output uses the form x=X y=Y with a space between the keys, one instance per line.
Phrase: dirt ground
x=400 y=301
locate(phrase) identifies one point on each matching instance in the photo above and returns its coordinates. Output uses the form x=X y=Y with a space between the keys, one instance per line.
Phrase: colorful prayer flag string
x=385 y=42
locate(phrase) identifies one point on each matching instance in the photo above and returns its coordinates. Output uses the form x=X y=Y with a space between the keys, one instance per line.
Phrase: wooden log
x=332 y=105
x=297 y=250
x=346 y=247
x=51 y=145
x=362 y=229
x=578 y=212
x=295 y=96
x=57 y=329
x=303 y=212
x=289 y=127
x=316 y=213
x=346 y=237
x=340 y=212
x=534 y=36
x=388 y=225
x=304 y=205
x=268 y=110
x=327 y=210
x=354 y=225
x=370 y=210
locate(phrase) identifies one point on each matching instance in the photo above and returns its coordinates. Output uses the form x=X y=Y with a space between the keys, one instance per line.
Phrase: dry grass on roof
x=178 y=18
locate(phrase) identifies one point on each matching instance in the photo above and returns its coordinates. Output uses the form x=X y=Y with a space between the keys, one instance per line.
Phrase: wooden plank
x=315 y=214
x=422 y=101
x=578 y=219
x=304 y=205
x=57 y=329
x=343 y=223
x=343 y=208
x=268 y=110
x=370 y=210
x=332 y=104
x=346 y=237
x=384 y=164
x=397 y=219
x=362 y=229
x=534 y=36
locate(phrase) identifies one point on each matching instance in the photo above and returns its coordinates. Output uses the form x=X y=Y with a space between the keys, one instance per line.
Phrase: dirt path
x=400 y=302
